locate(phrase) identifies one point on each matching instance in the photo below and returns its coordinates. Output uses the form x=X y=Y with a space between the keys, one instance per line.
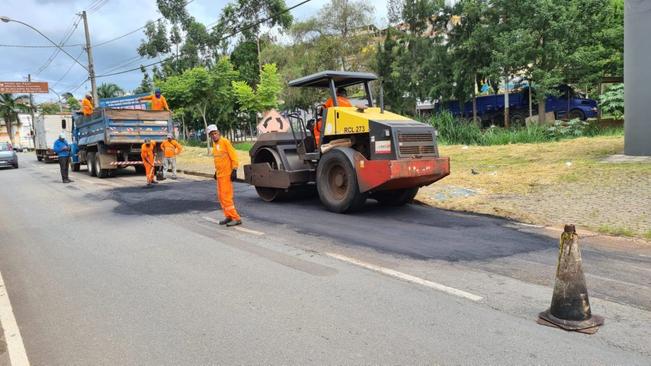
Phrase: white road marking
x=248 y=231
x=210 y=219
x=238 y=228
x=15 y=346
x=407 y=277
x=529 y=225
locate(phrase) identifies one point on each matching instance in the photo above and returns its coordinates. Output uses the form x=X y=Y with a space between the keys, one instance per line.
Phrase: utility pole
x=31 y=112
x=91 y=66
x=507 y=121
x=637 y=50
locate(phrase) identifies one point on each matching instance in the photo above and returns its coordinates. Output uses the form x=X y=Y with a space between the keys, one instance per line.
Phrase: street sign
x=24 y=87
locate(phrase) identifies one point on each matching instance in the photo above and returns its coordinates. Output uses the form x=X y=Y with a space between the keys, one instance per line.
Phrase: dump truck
x=47 y=129
x=111 y=137
x=361 y=152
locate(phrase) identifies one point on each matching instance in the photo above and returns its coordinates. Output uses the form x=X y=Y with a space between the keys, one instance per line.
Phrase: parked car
x=8 y=156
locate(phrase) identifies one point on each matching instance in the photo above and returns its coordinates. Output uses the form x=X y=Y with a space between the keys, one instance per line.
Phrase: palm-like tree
x=109 y=90
x=10 y=106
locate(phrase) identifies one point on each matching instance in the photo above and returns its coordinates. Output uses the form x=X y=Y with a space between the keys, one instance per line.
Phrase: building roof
x=341 y=78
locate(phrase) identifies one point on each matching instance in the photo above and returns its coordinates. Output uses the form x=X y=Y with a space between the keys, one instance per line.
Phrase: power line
x=120 y=37
x=125 y=63
x=95 y=8
x=135 y=30
x=79 y=86
x=69 y=68
x=40 y=46
x=56 y=52
x=235 y=32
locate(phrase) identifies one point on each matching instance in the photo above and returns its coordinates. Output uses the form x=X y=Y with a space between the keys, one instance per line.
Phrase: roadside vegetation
x=452 y=131
x=549 y=183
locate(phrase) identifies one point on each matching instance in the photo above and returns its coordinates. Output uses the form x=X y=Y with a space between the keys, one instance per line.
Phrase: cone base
x=589 y=326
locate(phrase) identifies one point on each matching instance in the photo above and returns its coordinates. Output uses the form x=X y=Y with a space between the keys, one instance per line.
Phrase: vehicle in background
x=47 y=129
x=8 y=157
x=25 y=140
x=111 y=137
x=490 y=108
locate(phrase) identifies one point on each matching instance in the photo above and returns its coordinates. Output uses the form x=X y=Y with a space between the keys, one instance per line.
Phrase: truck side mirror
x=63 y=124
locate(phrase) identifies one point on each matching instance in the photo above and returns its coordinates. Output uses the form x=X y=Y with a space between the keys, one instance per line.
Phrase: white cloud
x=115 y=18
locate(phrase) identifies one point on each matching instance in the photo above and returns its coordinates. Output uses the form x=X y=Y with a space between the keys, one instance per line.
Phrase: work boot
x=154 y=182
x=234 y=223
x=225 y=221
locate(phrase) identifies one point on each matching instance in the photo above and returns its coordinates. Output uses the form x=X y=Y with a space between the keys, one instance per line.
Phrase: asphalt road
x=103 y=272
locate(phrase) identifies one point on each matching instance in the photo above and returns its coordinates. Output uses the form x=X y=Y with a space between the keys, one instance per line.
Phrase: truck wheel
x=76 y=167
x=396 y=197
x=101 y=173
x=336 y=182
x=90 y=164
x=518 y=119
x=577 y=114
x=39 y=158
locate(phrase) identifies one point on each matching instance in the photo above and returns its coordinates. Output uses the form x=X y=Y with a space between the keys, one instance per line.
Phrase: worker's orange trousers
x=149 y=171
x=225 y=196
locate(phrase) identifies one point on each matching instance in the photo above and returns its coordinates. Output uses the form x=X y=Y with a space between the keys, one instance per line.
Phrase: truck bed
x=123 y=126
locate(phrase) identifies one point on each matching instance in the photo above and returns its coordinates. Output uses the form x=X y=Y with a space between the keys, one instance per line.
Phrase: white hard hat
x=169 y=136
x=211 y=128
x=62 y=135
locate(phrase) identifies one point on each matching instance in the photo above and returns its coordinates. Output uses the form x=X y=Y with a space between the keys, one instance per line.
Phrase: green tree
x=344 y=30
x=245 y=60
x=10 y=106
x=265 y=97
x=205 y=91
x=73 y=103
x=109 y=90
x=146 y=85
x=49 y=108
x=469 y=49
x=549 y=41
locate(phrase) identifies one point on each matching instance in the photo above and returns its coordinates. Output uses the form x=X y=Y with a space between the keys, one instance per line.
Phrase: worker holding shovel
x=147 y=155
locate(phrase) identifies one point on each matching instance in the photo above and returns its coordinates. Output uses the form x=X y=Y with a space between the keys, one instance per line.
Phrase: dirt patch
x=197 y=159
x=549 y=184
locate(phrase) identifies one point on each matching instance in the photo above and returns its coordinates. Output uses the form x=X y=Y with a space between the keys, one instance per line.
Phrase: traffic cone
x=570 y=309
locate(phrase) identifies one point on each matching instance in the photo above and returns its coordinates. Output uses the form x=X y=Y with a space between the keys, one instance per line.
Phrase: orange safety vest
x=342 y=101
x=225 y=157
x=171 y=148
x=87 y=107
x=147 y=153
x=157 y=104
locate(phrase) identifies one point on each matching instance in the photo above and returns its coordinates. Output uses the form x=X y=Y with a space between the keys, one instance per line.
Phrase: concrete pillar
x=637 y=77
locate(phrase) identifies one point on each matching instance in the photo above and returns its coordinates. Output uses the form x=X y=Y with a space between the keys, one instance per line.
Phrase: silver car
x=8 y=157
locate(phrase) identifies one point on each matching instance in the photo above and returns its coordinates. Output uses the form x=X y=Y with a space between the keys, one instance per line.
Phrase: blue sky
x=114 y=18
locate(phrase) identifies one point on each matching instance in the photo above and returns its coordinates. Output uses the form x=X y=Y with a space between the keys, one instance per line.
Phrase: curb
x=585 y=233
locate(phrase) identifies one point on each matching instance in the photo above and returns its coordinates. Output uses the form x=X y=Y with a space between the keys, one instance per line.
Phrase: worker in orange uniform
x=342 y=101
x=225 y=173
x=158 y=101
x=170 y=148
x=87 y=106
x=147 y=155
